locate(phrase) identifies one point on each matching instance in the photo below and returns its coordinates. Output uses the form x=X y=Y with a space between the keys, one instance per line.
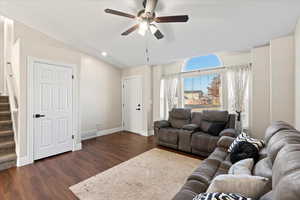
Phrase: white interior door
x=52 y=94
x=132 y=102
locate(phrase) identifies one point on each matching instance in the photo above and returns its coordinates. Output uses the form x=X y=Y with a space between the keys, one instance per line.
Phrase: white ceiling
x=215 y=25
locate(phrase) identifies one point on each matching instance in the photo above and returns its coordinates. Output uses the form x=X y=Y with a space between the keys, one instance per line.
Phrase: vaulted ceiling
x=215 y=25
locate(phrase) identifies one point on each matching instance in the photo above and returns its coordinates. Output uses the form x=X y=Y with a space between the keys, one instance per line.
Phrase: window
x=202 y=92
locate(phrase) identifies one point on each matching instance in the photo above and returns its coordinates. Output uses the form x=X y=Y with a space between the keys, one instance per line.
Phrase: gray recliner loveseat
x=194 y=132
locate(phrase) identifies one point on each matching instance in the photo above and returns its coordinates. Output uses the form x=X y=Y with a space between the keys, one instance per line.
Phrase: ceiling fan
x=146 y=19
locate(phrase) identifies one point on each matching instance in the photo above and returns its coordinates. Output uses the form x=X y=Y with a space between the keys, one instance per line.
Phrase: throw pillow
x=243 y=150
x=243 y=167
x=243 y=137
x=245 y=185
x=216 y=128
x=219 y=196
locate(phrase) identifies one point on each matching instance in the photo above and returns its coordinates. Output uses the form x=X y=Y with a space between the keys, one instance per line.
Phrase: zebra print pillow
x=219 y=196
x=243 y=137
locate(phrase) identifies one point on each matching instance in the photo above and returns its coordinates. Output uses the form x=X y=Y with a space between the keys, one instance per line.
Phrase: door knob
x=138 y=109
x=38 y=116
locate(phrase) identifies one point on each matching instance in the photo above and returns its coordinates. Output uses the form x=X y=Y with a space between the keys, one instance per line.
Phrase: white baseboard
x=89 y=134
x=22 y=161
x=109 y=131
x=94 y=133
x=77 y=147
x=150 y=132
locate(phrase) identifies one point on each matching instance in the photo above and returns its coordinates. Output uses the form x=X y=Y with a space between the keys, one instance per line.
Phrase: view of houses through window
x=202 y=92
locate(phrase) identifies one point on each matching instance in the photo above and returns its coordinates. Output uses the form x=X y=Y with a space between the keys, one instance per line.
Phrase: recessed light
x=104 y=54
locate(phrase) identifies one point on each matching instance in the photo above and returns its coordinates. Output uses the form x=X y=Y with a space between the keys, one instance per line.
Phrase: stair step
x=4 y=106
x=7 y=157
x=7 y=146
x=5 y=125
x=5 y=115
x=6 y=133
x=4 y=99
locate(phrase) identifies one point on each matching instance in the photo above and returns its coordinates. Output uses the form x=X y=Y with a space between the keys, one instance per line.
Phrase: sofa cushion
x=225 y=142
x=215 y=116
x=220 y=196
x=281 y=139
x=243 y=167
x=204 y=142
x=249 y=186
x=275 y=127
x=181 y=113
x=191 y=127
x=196 y=118
x=268 y=196
x=286 y=173
x=263 y=168
x=216 y=128
x=169 y=135
x=205 y=172
x=178 y=123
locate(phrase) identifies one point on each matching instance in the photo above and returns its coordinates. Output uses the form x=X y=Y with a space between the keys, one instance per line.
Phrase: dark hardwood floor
x=51 y=178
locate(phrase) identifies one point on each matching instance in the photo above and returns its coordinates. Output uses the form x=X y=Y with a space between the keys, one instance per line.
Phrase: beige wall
x=297 y=76
x=260 y=92
x=100 y=96
x=38 y=45
x=282 y=77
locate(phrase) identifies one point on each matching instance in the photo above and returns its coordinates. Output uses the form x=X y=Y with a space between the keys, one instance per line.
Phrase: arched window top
x=202 y=62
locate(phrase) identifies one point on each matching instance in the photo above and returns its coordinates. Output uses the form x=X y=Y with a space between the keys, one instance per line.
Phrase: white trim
x=109 y=131
x=25 y=160
x=77 y=147
x=95 y=133
x=30 y=84
x=150 y=132
x=144 y=131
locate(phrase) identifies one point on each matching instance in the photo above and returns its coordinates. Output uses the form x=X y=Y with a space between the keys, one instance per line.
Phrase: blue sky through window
x=201 y=82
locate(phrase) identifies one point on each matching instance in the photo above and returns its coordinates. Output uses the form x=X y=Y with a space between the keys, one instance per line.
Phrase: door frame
x=30 y=95
x=143 y=132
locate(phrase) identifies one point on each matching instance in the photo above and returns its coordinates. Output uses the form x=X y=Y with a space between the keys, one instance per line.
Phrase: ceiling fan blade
x=168 y=19
x=135 y=27
x=150 y=6
x=119 y=13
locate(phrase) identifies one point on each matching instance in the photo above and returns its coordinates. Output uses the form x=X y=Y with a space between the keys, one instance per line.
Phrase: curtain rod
x=207 y=69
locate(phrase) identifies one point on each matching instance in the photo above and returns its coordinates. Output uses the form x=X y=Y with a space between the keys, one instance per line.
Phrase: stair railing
x=13 y=101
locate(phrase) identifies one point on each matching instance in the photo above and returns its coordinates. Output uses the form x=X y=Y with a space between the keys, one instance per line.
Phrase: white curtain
x=238 y=81
x=171 y=94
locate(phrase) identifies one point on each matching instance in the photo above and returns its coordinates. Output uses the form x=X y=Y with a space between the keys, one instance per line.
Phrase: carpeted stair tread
x=7 y=144
x=8 y=157
x=3 y=122
x=6 y=133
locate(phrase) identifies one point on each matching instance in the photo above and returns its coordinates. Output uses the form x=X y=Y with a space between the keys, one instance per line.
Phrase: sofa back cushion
x=196 y=118
x=179 y=117
x=281 y=139
x=215 y=116
x=213 y=122
x=286 y=173
x=274 y=128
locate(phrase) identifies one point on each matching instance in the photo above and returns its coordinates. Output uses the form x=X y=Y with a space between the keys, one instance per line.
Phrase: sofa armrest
x=162 y=124
x=225 y=142
x=229 y=132
x=191 y=127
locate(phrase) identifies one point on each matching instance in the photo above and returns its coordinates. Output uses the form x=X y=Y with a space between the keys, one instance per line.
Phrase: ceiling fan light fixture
x=143 y=28
x=153 y=28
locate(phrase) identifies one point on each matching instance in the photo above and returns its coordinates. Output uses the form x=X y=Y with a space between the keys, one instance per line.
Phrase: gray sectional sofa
x=194 y=132
x=279 y=161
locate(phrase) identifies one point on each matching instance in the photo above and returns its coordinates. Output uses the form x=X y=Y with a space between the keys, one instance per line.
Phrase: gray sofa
x=279 y=161
x=194 y=132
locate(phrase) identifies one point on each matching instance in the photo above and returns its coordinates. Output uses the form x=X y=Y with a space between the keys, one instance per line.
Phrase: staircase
x=8 y=156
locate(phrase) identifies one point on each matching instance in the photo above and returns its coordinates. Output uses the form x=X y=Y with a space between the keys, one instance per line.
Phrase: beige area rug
x=153 y=175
